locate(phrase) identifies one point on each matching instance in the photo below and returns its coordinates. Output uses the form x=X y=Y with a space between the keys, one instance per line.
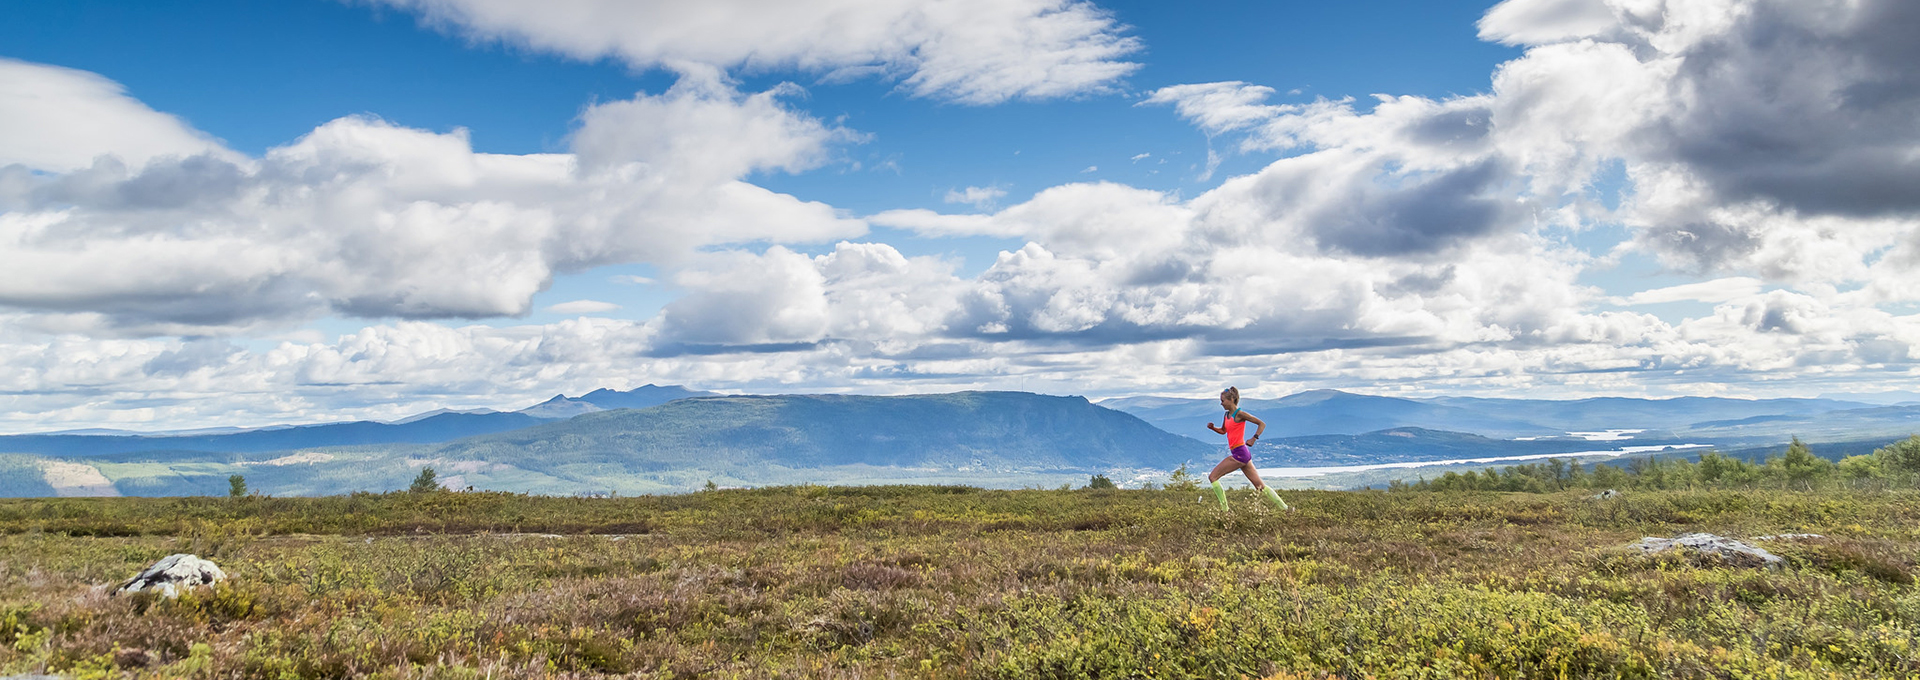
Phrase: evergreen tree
x=1802 y=467
x=1862 y=470
x=425 y=483
x=1181 y=480
x=1902 y=457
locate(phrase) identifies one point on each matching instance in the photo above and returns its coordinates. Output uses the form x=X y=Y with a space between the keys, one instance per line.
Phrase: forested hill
x=979 y=430
x=436 y=428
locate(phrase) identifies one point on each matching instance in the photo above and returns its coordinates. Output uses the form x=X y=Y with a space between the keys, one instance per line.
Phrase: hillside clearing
x=76 y=479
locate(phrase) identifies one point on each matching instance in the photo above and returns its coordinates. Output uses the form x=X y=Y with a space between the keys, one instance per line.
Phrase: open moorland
x=912 y=582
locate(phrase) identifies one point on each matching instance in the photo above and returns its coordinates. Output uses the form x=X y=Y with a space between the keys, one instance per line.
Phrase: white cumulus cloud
x=1764 y=138
x=974 y=52
x=365 y=218
x=979 y=197
x=56 y=119
x=1717 y=290
x=582 y=307
x=1219 y=107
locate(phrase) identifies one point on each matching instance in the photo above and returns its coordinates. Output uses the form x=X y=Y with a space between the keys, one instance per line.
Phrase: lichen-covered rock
x=1733 y=552
x=173 y=574
x=1789 y=537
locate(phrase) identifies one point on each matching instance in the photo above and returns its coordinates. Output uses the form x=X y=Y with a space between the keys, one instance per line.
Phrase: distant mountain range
x=984 y=431
x=1710 y=420
x=425 y=428
x=561 y=406
x=1414 y=444
x=1881 y=398
x=1322 y=412
x=437 y=428
x=982 y=438
x=1679 y=413
x=667 y=438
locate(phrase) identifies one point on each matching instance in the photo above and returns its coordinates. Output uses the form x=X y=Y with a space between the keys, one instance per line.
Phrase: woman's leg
x=1225 y=467
x=1254 y=476
x=1213 y=478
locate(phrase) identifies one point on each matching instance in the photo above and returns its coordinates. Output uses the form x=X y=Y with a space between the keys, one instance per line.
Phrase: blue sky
x=259 y=75
x=1117 y=198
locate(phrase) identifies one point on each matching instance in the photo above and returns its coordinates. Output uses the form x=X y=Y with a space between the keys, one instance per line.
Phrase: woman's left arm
x=1262 y=425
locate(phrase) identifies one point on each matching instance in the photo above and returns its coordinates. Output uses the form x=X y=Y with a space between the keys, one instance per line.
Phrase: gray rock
x=1734 y=552
x=173 y=574
x=1789 y=537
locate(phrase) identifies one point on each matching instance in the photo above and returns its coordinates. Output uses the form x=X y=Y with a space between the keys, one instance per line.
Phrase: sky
x=242 y=213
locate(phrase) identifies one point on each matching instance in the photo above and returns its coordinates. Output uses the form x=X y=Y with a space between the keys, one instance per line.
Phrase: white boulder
x=1728 y=549
x=173 y=574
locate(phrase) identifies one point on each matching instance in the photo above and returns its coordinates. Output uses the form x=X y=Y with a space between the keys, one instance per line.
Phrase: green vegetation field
x=910 y=582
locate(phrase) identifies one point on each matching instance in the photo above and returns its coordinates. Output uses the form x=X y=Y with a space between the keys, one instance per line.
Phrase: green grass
x=961 y=582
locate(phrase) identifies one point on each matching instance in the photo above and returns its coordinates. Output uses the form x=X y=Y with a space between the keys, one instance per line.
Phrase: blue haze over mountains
x=1722 y=421
x=1002 y=431
x=657 y=438
x=425 y=428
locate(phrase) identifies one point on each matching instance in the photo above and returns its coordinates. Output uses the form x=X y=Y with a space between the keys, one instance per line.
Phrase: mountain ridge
x=424 y=428
x=967 y=429
x=561 y=406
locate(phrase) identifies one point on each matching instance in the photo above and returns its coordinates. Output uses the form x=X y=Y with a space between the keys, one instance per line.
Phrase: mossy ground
x=956 y=582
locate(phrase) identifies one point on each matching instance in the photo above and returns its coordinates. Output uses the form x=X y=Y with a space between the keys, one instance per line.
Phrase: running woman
x=1240 y=448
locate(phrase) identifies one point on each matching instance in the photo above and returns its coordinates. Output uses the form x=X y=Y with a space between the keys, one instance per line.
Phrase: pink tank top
x=1236 y=430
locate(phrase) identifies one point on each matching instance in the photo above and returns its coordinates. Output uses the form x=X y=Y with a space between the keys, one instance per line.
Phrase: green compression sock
x=1275 y=498
x=1220 y=494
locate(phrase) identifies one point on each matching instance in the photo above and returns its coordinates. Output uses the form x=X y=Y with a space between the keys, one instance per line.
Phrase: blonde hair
x=1232 y=394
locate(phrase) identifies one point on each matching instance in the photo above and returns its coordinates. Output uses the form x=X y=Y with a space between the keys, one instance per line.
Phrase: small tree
x=425 y=483
x=1610 y=477
x=1100 y=482
x=1901 y=457
x=1714 y=467
x=236 y=486
x=711 y=486
x=1862 y=470
x=1802 y=467
x=1181 y=480
x=1558 y=468
x=1576 y=474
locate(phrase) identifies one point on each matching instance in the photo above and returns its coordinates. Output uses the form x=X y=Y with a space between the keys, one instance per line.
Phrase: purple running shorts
x=1243 y=454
